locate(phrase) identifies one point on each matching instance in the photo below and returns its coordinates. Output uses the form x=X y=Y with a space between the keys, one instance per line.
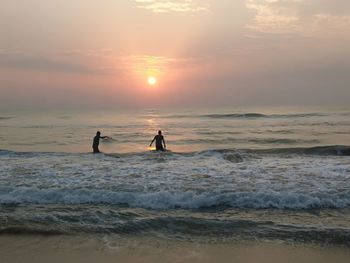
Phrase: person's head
x=160 y=132
x=98 y=133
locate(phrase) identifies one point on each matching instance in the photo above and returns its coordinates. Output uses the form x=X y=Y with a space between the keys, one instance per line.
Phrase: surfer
x=159 y=142
x=96 y=142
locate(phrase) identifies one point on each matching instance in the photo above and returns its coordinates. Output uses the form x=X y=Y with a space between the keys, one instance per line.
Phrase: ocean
x=280 y=174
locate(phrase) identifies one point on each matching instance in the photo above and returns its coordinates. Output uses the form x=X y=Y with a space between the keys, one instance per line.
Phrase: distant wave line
x=338 y=150
x=251 y=115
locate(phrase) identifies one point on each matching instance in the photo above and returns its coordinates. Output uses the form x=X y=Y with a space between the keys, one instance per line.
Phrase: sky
x=217 y=53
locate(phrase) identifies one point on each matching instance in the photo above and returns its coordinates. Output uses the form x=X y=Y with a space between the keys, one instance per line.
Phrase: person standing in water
x=96 y=142
x=159 y=142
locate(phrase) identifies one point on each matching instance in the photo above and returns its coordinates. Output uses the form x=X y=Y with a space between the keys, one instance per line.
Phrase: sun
x=152 y=80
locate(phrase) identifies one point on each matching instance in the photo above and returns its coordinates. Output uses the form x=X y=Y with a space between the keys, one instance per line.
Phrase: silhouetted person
x=159 y=141
x=96 y=142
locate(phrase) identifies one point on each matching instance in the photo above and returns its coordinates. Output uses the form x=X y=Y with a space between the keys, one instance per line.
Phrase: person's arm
x=104 y=137
x=152 y=141
x=164 y=143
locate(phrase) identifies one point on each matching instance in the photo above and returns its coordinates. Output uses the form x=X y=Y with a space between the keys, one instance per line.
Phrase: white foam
x=177 y=181
x=171 y=200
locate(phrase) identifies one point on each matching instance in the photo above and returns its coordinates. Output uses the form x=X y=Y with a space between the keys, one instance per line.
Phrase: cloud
x=275 y=16
x=332 y=7
x=305 y=17
x=100 y=62
x=140 y=65
x=167 y=6
x=19 y=60
x=333 y=24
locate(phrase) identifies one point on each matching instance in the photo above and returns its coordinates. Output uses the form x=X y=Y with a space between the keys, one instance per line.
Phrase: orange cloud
x=166 y=6
x=295 y=16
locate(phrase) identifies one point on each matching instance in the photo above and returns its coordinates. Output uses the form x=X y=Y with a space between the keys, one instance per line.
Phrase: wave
x=251 y=115
x=29 y=230
x=29 y=153
x=235 y=115
x=262 y=141
x=6 y=117
x=259 y=115
x=248 y=115
x=186 y=228
x=335 y=150
x=174 y=200
x=282 y=141
x=331 y=150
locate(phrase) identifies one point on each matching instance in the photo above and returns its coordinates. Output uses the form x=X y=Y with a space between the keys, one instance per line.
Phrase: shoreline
x=109 y=248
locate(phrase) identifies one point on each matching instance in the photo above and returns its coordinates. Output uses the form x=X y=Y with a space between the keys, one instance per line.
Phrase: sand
x=105 y=249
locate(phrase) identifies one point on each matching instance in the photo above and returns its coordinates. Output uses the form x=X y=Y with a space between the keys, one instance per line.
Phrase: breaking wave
x=71 y=220
x=335 y=150
x=5 y=118
x=249 y=115
x=175 y=200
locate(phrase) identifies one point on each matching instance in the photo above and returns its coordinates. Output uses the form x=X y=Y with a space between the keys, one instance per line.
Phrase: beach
x=40 y=249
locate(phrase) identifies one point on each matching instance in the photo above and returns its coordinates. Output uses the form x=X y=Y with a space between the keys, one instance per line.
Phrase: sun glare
x=152 y=81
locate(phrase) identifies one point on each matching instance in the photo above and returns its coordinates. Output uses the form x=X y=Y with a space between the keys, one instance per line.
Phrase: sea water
x=228 y=174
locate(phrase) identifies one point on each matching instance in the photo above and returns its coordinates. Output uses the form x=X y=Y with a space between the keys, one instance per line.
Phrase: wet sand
x=105 y=249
